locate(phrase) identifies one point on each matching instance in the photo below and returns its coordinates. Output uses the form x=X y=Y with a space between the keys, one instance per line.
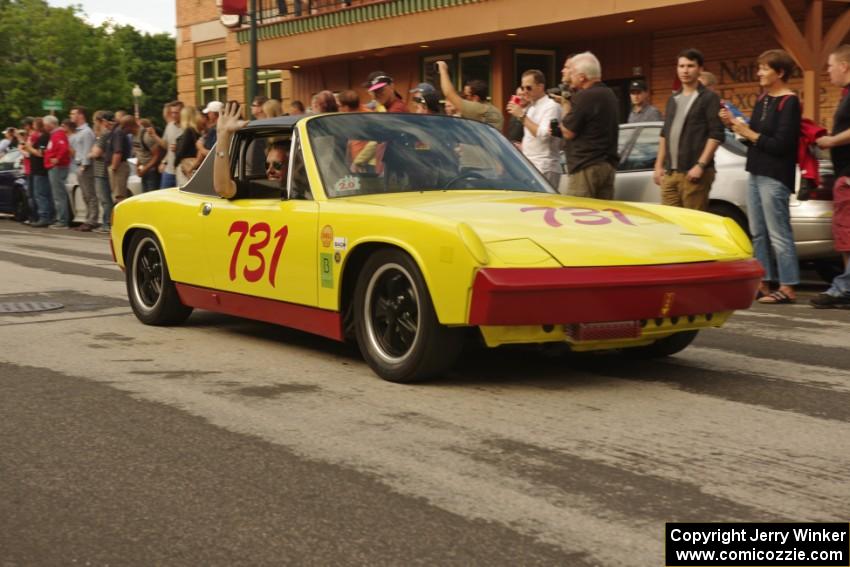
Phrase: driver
x=277 y=162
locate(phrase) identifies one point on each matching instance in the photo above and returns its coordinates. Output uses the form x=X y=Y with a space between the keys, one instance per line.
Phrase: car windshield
x=10 y=160
x=363 y=153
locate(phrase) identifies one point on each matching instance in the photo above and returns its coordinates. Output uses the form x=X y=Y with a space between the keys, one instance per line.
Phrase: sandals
x=776 y=297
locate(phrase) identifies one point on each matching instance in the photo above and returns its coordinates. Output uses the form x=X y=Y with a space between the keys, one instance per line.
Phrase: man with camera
x=538 y=145
x=591 y=130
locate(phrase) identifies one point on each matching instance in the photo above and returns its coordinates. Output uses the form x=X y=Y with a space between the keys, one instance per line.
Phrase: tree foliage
x=52 y=53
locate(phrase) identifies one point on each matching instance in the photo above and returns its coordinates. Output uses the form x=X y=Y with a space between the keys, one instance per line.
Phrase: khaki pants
x=594 y=181
x=677 y=191
x=118 y=181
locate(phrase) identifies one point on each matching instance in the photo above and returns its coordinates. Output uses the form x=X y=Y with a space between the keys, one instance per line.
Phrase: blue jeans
x=104 y=195
x=150 y=180
x=43 y=198
x=58 y=176
x=770 y=225
x=31 y=204
x=841 y=284
x=168 y=180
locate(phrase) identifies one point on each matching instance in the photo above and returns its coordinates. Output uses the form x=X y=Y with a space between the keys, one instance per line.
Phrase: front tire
x=152 y=294
x=663 y=347
x=397 y=329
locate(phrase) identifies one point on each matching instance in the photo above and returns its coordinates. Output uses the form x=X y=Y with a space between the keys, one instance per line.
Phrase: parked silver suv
x=811 y=219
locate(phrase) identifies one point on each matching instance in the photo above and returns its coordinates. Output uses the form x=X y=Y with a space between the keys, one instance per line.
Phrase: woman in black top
x=187 y=150
x=772 y=137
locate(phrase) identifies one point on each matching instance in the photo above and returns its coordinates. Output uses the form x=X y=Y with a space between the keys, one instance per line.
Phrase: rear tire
x=663 y=347
x=152 y=294
x=397 y=328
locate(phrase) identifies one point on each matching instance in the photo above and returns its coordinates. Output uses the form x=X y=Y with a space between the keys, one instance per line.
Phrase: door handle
x=206 y=209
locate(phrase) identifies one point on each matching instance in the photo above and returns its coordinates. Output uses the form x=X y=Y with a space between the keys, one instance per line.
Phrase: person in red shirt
x=57 y=158
x=381 y=87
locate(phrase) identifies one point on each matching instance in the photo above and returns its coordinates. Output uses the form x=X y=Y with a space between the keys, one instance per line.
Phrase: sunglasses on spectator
x=276 y=165
x=527 y=88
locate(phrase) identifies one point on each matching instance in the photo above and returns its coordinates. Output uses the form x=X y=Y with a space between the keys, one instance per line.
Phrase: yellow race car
x=408 y=233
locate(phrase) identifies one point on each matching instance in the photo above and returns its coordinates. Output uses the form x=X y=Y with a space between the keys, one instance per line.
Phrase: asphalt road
x=229 y=442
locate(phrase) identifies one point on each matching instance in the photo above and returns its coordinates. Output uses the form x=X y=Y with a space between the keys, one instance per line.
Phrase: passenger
x=472 y=103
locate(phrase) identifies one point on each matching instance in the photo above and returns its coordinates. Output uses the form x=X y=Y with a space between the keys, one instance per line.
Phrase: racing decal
x=326 y=269
x=340 y=243
x=327 y=235
x=255 y=264
x=581 y=215
x=349 y=183
x=337 y=257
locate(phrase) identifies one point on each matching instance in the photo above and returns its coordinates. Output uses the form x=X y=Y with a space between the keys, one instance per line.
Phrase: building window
x=474 y=65
x=212 y=80
x=269 y=83
x=463 y=67
x=540 y=59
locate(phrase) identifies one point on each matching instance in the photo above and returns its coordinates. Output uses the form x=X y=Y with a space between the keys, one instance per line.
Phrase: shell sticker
x=327 y=235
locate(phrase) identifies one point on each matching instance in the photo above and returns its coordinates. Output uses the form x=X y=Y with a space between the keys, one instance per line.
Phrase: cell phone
x=516 y=100
x=555 y=128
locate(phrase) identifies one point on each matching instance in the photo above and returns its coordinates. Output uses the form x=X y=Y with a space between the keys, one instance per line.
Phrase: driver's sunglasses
x=276 y=165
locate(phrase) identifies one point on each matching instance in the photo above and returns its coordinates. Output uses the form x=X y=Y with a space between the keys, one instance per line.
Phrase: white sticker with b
x=340 y=243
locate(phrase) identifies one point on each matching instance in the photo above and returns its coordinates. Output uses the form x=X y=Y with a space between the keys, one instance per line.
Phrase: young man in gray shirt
x=691 y=134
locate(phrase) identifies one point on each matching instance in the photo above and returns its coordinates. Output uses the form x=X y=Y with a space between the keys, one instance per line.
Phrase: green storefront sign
x=48 y=104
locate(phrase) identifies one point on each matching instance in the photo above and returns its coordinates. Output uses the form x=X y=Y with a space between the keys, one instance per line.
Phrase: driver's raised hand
x=230 y=119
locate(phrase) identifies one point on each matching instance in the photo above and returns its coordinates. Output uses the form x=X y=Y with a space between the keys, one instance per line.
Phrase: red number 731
x=243 y=229
x=581 y=215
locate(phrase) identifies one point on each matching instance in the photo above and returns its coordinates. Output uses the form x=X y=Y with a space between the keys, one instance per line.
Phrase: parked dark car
x=13 y=195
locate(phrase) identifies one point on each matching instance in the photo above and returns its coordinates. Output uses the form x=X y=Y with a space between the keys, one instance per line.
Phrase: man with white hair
x=591 y=129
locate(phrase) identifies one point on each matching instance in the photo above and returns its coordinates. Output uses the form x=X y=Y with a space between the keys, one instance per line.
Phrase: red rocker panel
x=541 y=296
x=309 y=319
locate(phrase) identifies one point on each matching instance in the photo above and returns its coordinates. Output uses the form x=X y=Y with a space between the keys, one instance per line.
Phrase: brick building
x=335 y=44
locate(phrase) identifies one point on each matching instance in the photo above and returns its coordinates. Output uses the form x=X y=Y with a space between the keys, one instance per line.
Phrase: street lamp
x=137 y=93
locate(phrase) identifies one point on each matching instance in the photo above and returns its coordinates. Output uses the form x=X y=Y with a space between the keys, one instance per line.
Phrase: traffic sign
x=48 y=104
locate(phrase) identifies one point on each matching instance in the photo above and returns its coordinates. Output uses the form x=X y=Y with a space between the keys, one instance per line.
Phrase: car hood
x=574 y=231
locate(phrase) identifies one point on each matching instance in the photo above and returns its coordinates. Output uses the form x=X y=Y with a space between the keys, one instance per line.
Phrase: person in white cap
x=206 y=143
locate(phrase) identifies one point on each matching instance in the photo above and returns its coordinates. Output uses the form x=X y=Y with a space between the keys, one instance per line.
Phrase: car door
x=265 y=246
x=634 y=174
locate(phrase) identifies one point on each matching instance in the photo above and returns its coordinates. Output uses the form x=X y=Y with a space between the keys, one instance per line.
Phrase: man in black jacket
x=691 y=134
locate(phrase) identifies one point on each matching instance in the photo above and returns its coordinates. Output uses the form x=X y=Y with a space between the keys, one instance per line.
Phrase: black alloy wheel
x=152 y=294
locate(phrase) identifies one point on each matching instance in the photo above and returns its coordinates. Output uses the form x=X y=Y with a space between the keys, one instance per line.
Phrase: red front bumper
x=541 y=296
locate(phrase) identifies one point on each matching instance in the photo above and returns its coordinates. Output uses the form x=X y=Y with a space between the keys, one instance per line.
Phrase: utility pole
x=252 y=73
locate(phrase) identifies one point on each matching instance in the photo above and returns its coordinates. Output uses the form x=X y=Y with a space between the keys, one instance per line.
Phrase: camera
x=555 y=128
x=562 y=90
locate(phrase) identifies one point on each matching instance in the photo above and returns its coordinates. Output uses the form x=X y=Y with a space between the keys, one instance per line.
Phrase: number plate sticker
x=347 y=184
x=327 y=270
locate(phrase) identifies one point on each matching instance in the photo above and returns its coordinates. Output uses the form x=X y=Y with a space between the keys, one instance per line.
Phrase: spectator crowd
x=578 y=119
